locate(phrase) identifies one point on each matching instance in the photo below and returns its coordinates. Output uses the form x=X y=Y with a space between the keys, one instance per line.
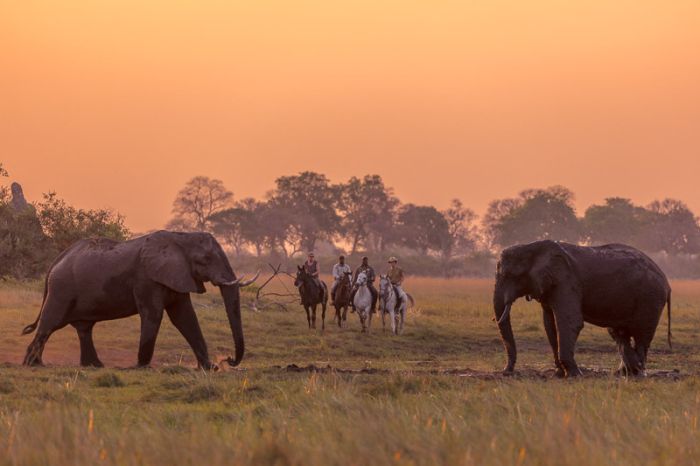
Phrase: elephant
x=614 y=286
x=101 y=279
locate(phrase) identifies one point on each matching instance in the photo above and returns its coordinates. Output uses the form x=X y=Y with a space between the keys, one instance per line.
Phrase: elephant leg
x=569 y=322
x=52 y=318
x=550 y=328
x=150 y=325
x=88 y=353
x=630 y=362
x=183 y=317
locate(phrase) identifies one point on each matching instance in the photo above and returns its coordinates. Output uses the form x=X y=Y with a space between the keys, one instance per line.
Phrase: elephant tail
x=31 y=327
x=668 y=304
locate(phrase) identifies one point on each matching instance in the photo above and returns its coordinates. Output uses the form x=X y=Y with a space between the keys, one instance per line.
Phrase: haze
x=118 y=103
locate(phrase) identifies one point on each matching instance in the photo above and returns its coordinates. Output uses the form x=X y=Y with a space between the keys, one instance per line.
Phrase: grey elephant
x=613 y=286
x=101 y=279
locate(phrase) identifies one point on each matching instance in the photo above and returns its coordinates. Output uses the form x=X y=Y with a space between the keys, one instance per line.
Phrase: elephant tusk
x=248 y=282
x=505 y=314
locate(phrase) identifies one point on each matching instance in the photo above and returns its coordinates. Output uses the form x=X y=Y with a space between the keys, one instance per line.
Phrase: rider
x=395 y=276
x=369 y=271
x=339 y=270
x=311 y=268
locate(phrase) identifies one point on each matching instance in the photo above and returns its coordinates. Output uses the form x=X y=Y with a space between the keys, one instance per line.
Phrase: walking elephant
x=101 y=279
x=613 y=286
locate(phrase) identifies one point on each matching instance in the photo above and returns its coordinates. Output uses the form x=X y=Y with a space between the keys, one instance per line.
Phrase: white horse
x=388 y=297
x=363 y=301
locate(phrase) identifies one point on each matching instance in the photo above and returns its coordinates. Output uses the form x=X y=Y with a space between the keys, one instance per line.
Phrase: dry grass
x=415 y=409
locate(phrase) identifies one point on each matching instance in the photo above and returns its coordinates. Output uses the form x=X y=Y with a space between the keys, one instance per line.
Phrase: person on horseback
x=395 y=276
x=369 y=271
x=311 y=268
x=339 y=271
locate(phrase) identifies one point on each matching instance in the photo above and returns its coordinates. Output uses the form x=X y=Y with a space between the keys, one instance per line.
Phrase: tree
x=461 y=228
x=4 y=193
x=197 y=202
x=307 y=205
x=367 y=208
x=65 y=224
x=616 y=221
x=536 y=214
x=422 y=228
x=669 y=226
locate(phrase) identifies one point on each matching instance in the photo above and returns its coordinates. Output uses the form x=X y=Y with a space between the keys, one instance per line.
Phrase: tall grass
x=417 y=409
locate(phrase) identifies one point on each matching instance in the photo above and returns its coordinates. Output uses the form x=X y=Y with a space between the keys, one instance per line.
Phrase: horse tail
x=410 y=298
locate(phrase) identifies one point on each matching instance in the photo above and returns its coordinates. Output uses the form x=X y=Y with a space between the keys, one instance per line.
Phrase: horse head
x=301 y=276
x=361 y=279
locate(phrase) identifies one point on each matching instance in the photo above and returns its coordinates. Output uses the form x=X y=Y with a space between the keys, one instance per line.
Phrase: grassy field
x=431 y=396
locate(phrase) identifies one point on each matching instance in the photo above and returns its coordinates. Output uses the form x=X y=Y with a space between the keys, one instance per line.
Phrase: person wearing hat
x=395 y=276
x=369 y=271
x=339 y=270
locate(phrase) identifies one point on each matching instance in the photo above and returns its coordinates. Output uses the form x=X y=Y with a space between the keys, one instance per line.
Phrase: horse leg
x=402 y=317
x=392 y=315
x=381 y=309
x=323 y=316
x=313 y=316
x=308 y=315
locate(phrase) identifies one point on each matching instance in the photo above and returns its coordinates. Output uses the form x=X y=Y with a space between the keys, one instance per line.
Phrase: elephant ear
x=165 y=262
x=551 y=267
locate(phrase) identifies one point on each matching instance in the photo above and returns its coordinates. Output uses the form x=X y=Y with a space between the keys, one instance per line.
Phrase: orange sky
x=116 y=103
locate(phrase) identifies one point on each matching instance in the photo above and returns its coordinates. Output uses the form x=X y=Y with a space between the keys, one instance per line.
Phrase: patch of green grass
x=108 y=379
x=430 y=396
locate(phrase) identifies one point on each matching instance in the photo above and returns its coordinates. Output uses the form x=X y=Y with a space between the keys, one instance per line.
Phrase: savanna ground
x=431 y=396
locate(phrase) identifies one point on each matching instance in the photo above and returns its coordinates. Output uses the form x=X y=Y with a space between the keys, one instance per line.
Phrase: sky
x=117 y=103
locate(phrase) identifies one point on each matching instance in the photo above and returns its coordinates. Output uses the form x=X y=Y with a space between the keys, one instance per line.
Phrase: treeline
x=32 y=235
x=307 y=212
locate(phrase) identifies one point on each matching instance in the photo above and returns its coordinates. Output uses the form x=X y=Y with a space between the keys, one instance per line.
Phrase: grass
x=430 y=396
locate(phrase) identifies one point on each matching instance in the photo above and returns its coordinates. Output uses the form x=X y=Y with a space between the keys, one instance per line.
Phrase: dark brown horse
x=313 y=292
x=341 y=298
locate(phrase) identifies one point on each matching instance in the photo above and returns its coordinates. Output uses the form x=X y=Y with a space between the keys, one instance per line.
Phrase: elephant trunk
x=232 y=302
x=501 y=307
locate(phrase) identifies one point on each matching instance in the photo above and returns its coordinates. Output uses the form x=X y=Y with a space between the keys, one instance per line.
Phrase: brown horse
x=313 y=292
x=341 y=298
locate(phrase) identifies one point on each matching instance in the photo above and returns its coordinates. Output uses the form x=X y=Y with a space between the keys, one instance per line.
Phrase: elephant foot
x=33 y=363
x=96 y=364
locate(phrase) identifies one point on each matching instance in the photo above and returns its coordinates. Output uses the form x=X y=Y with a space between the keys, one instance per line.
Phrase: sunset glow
x=119 y=103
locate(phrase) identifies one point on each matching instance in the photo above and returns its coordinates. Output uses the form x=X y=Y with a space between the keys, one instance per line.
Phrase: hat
x=311 y=254
x=392 y=259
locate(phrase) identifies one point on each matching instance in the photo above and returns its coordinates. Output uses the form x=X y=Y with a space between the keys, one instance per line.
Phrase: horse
x=311 y=296
x=342 y=298
x=389 y=305
x=363 y=301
